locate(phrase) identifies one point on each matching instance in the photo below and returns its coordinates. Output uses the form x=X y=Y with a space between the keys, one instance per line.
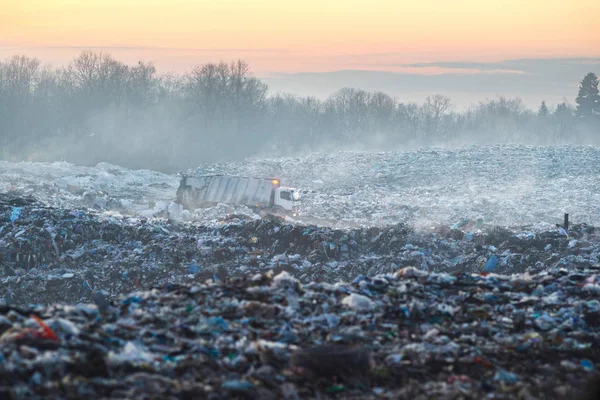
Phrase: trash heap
x=503 y=184
x=50 y=255
x=410 y=334
x=103 y=187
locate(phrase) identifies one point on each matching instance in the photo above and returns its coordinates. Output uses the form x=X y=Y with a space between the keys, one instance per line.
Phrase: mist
x=98 y=109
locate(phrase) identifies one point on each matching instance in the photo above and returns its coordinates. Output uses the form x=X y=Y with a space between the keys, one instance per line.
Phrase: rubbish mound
x=503 y=185
x=132 y=307
x=50 y=255
x=426 y=335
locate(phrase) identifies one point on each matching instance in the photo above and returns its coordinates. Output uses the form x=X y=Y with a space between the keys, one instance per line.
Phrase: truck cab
x=288 y=199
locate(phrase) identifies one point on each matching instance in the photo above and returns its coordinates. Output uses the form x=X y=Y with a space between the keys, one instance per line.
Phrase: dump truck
x=263 y=195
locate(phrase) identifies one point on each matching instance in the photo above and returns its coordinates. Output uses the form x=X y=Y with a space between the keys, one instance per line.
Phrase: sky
x=285 y=38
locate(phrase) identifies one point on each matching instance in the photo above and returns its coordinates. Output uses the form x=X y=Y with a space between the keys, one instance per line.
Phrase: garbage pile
x=410 y=334
x=104 y=187
x=503 y=185
x=50 y=255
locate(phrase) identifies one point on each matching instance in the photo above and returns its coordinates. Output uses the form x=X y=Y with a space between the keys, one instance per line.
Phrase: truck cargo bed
x=206 y=190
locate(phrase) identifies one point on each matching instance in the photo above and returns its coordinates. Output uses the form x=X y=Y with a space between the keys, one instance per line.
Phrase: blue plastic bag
x=491 y=265
x=16 y=212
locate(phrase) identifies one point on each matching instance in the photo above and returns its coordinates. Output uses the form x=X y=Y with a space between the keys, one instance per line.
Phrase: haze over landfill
x=295 y=200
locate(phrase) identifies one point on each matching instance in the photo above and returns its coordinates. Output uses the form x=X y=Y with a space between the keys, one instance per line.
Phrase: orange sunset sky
x=297 y=36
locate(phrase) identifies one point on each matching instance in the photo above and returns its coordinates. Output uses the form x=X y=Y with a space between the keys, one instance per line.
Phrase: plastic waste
x=237 y=386
x=131 y=352
x=100 y=298
x=15 y=213
x=491 y=265
x=359 y=302
x=169 y=333
x=506 y=377
x=587 y=365
x=545 y=322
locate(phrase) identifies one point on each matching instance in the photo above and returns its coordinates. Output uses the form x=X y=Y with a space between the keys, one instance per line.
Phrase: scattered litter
x=108 y=289
x=358 y=302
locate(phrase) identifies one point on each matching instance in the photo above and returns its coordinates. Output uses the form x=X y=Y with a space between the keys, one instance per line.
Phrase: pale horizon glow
x=280 y=36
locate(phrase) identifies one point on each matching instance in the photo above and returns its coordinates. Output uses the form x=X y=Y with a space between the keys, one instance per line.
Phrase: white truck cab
x=288 y=199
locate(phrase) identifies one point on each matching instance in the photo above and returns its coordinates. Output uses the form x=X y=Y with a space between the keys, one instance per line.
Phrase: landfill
x=409 y=334
x=119 y=307
x=109 y=290
x=52 y=255
x=502 y=185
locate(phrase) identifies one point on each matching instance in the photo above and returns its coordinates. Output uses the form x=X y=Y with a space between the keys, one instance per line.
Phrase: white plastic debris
x=358 y=302
x=61 y=325
x=132 y=352
x=285 y=278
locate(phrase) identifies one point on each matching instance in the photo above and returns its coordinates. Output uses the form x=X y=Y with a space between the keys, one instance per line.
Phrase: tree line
x=99 y=109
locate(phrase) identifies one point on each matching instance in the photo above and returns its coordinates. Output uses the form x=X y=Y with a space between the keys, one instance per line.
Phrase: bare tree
x=433 y=111
x=382 y=110
x=20 y=77
x=99 y=109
